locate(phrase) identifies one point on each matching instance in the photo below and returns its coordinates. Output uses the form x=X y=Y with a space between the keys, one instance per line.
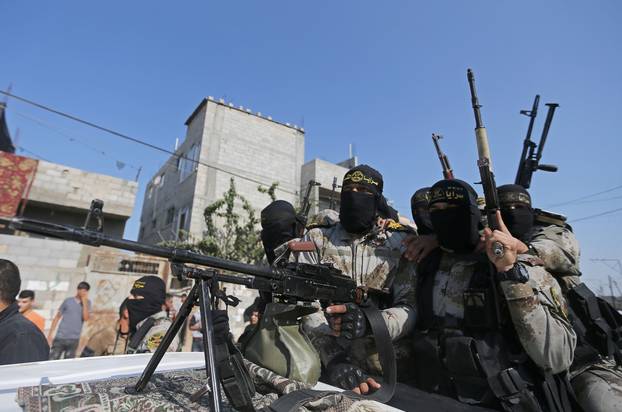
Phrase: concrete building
x=62 y=194
x=222 y=142
x=326 y=174
x=53 y=268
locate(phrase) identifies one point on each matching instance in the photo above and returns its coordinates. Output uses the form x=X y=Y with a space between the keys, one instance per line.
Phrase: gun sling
x=139 y=335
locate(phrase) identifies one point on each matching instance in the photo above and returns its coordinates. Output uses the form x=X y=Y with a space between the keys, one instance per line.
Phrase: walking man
x=73 y=312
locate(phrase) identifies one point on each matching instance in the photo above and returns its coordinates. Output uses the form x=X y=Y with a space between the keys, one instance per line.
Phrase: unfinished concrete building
x=222 y=142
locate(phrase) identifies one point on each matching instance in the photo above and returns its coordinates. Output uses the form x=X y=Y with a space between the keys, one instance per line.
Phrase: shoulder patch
x=394 y=226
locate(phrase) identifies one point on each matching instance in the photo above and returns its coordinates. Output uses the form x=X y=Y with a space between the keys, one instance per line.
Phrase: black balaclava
x=516 y=210
x=153 y=291
x=358 y=210
x=456 y=227
x=386 y=211
x=279 y=224
x=419 y=206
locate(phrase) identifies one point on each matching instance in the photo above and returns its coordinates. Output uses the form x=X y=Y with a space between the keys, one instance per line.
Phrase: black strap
x=386 y=354
x=234 y=377
x=139 y=335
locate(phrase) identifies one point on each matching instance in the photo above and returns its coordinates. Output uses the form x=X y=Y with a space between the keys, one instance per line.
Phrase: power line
x=134 y=140
x=608 y=212
x=71 y=138
x=585 y=197
x=599 y=200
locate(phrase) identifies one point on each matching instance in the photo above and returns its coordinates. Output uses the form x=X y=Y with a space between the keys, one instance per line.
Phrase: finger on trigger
x=356 y=390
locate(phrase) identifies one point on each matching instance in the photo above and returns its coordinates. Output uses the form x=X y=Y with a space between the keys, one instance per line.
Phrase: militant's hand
x=347 y=320
x=349 y=377
x=511 y=246
x=418 y=247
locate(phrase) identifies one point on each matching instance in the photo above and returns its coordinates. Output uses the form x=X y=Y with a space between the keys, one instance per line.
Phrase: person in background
x=253 y=318
x=183 y=332
x=25 y=301
x=171 y=312
x=73 y=312
x=20 y=340
x=197 y=334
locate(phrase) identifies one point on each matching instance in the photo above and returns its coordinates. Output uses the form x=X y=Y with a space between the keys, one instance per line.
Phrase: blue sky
x=381 y=75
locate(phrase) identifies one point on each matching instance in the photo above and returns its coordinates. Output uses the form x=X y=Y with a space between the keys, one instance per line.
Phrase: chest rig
x=478 y=358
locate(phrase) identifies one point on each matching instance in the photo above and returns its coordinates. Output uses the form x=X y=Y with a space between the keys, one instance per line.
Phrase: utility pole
x=613 y=298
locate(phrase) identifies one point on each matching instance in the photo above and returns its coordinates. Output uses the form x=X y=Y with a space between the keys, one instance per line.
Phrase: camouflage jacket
x=558 y=248
x=154 y=335
x=536 y=308
x=373 y=260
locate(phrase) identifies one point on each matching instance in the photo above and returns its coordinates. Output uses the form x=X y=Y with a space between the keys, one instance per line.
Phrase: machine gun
x=303 y=216
x=290 y=282
x=530 y=159
x=447 y=171
x=484 y=163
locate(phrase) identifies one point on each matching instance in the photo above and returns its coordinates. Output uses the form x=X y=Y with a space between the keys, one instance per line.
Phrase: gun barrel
x=99 y=239
x=474 y=100
x=545 y=130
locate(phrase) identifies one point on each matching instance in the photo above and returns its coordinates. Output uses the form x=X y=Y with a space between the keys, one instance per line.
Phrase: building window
x=149 y=191
x=188 y=164
x=153 y=223
x=183 y=223
x=170 y=215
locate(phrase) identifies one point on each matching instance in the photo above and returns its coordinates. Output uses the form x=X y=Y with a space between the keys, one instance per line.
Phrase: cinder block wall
x=66 y=186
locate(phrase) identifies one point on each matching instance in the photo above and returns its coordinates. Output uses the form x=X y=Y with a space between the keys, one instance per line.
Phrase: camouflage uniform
x=536 y=310
x=598 y=386
x=558 y=248
x=155 y=334
x=373 y=260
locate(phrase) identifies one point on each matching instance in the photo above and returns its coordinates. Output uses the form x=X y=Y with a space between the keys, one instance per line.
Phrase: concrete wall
x=113 y=224
x=256 y=150
x=61 y=185
x=53 y=268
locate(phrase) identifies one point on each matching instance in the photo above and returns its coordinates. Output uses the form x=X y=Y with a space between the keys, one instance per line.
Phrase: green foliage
x=231 y=233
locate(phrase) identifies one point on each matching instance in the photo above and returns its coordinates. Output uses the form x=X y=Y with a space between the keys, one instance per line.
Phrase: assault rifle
x=530 y=159
x=447 y=171
x=303 y=216
x=484 y=163
x=289 y=282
